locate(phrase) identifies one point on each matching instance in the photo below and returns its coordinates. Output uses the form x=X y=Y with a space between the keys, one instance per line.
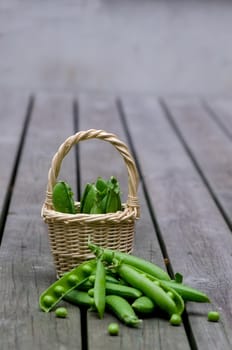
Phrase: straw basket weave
x=69 y=233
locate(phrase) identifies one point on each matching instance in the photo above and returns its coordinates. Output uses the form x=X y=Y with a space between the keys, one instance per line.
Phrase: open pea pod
x=69 y=281
x=176 y=298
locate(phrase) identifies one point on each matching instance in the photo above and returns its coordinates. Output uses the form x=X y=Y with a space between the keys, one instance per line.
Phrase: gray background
x=161 y=47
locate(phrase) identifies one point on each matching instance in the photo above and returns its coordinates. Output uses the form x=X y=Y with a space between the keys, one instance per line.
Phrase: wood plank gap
x=10 y=187
x=216 y=119
x=189 y=331
x=84 y=328
x=83 y=310
x=77 y=148
x=184 y=143
x=151 y=210
x=185 y=318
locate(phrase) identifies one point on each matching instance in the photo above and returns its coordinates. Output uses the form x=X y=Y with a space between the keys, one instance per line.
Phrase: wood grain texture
x=220 y=109
x=155 y=333
x=210 y=147
x=26 y=263
x=23 y=324
x=196 y=237
x=45 y=135
x=13 y=108
x=176 y=154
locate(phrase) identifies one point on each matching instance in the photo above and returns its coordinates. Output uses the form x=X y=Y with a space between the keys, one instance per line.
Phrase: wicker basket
x=69 y=233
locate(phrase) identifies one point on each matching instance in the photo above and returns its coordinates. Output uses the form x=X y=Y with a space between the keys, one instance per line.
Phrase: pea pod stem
x=109 y=255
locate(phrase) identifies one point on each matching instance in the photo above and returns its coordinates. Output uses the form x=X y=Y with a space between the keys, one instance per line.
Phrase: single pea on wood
x=213 y=316
x=61 y=312
x=175 y=320
x=113 y=329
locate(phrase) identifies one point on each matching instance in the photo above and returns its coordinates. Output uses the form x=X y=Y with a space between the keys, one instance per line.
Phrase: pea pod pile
x=101 y=197
x=123 y=284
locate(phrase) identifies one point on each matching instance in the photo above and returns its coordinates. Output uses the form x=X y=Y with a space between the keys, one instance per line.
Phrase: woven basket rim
x=121 y=215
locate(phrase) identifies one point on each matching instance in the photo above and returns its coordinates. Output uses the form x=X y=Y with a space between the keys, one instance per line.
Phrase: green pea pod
x=89 y=199
x=180 y=291
x=80 y=298
x=176 y=298
x=99 y=288
x=187 y=293
x=127 y=292
x=143 y=305
x=121 y=308
x=113 y=199
x=96 y=207
x=113 y=203
x=101 y=186
x=84 y=195
x=62 y=198
x=148 y=288
x=69 y=281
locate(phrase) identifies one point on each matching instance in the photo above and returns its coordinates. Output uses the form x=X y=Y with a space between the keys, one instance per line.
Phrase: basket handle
x=65 y=147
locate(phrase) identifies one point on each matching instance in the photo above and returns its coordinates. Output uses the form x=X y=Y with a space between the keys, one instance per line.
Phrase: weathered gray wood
x=210 y=147
x=221 y=110
x=101 y=112
x=194 y=232
x=197 y=239
x=26 y=263
x=22 y=324
x=51 y=124
x=13 y=108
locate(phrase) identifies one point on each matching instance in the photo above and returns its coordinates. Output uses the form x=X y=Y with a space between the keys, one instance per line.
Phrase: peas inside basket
x=69 y=234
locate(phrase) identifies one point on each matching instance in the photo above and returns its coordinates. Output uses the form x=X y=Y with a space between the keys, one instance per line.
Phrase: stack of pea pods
x=127 y=286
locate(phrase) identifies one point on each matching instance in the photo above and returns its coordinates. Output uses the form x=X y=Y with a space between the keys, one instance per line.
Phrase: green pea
x=87 y=270
x=175 y=320
x=91 y=292
x=113 y=328
x=213 y=316
x=156 y=282
x=48 y=300
x=61 y=312
x=59 y=290
x=92 y=278
x=72 y=279
x=172 y=296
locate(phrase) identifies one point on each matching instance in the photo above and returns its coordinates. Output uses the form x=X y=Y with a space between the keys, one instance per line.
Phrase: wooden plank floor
x=182 y=148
